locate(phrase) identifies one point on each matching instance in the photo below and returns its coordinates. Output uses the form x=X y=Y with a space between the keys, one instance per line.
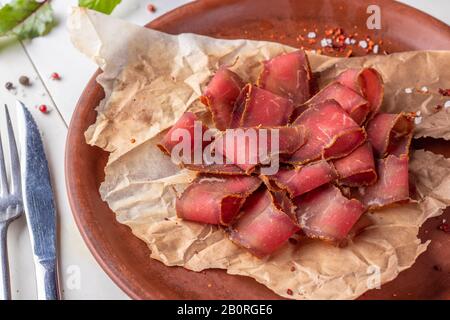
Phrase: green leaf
x=105 y=6
x=26 y=19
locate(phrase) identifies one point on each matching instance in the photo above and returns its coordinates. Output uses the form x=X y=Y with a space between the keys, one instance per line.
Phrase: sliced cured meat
x=400 y=146
x=326 y=214
x=328 y=176
x=220 y=96
x=227 y=169
x=187 y=127
x=262 y=226
x=368 y=83
x=284 y=203
x=259 y=107
x=215 y=199
x=358 y=168
x=354 y=104
x=332 y=133
x=392 y=185
x=305 y=178
x=288 y=75
x=249 y=147
x=390 y=133
x=298 y=111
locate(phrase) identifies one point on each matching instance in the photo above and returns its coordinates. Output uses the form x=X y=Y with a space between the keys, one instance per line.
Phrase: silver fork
x=11 y=205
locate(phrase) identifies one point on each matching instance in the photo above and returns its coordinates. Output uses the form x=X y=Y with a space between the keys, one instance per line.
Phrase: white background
x=81 y=277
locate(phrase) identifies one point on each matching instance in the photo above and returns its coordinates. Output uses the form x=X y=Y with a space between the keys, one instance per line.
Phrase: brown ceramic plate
x=126 y=259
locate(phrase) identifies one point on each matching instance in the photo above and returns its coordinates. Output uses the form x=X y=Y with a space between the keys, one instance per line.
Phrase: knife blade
x=39 y=204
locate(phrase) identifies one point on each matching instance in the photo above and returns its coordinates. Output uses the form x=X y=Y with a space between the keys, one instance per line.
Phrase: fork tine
x=3 y=178
x=14 y=157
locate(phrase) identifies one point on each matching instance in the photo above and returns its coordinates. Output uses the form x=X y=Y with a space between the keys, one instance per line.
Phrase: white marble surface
x=81 y=277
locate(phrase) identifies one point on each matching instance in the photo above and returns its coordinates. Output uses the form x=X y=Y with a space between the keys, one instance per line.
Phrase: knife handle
x=47 y=280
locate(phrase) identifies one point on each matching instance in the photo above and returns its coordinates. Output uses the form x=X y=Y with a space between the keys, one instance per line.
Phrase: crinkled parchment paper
x=151 y=78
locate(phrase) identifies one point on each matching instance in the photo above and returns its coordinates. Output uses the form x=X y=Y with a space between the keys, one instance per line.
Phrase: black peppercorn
x=9 y=86
x=24 y=80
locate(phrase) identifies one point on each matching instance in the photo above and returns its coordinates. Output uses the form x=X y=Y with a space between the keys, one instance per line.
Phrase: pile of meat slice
x=339 y=155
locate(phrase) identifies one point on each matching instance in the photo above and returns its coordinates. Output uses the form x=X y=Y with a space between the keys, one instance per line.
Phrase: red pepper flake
x=311 y=41
x=151 y=8
x=437 y=267
x=438 y=107
x=55 y=76
x=444 y=227
x=349 y=53
x=329 y=32
x=133 y=140
x=289 y=292
x=43 y=108
x=338 y=32
x=444 y=92
x=292 y=269
x=338 y=45
x=209 y=285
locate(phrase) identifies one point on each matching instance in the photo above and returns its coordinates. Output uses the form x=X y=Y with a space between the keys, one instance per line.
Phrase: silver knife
x=39 y=205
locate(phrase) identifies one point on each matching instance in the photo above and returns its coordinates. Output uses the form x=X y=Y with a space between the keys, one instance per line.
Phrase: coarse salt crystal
x=324 y=42
x=312 y=35
x=417 y=120
x=424 y=89
x=363 y=44
x=408 y=90
x=419 y=113
x=447 y=104
x=347 y=41
x=353 y=41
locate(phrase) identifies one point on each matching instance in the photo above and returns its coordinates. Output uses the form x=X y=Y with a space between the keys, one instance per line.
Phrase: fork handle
x=5 y=283
x=47 y=280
